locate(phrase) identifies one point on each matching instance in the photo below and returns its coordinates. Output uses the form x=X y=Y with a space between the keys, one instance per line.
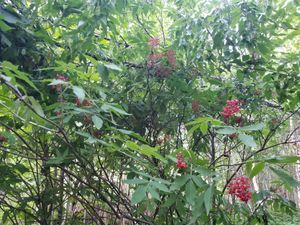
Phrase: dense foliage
x=148 y=112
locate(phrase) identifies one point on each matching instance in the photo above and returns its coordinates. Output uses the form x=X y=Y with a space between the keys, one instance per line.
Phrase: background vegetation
x=114 y=112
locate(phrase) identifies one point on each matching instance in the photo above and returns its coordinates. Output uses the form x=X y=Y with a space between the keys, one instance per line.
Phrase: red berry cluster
x=230 y=108
x=85 y=102
x=2 y=139
x=233 y=136
x=181 y=164
x=240 y=187
x=58 y=113
x=58 y=87
x=195 y=106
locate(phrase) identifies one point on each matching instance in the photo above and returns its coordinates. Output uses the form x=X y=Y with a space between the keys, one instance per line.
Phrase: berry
x=58 y=87
x=153 y=59
x=171 y=57
x=230 y=108
x=2 y=139
x=87 y=119
x=238 y=119
x=180 y=162
x=233 y=136
x=195 y=106
x=58 y=114
x=162 y=71
x=154 y=42
x=98 y=133
x=240 y=187
x=86 y=102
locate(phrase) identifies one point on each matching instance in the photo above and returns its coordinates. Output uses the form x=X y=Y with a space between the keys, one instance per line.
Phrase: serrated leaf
x=4 y=26
x=37 y=107
x=226 y=130
x=253 y=127
x=249 y=166
x=136 y=181
x=204 y=127
x=204 y=119
x=198 y=181
x=258 y=167
x=190 y=192
x=170 y=201
x=56 y=82
x=247 y=140
x=112 y=66
x=282 y=159
x=179 y=182
x=160 y=186
x=154 y=193
x=79 y=92
x=192 y=130
x=132 y=145
x=139 y=195
x=98 y=122
x=208 y=199
x=285 y=177
x=107 y=107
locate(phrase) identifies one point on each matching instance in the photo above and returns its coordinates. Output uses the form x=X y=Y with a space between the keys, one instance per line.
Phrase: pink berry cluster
x=156 y=62
x=230 y=108
x=240 y=187
x=181 y=164
x=153 y=59
x=154 y=42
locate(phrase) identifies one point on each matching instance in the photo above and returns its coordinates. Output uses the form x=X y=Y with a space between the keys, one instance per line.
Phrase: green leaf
x=106 y=107
x=61 y=156
x=132 y=145
x=179 y=182
x=154 y=193
x=258 y=167
x=146 y=150
x=113 y=67
x=8 y=16
x=56 y=82
x=19 y=74
x=98 y=122
x=190 y=192
x=198 y=181
x=37 y=107
x=208 y=199
x=204 y=127
x=139 y=195
x=285 y=177
x=160 y=186
x=192 y=130
x=79 y=92
x=282 y=159
x=136 y=181
x=170 y=201
x=4 y=26
x=92 y=60
x=247 y=140
x=249 y=166
x=150 y=151
x=253 y=127
x=226 y=130
x=123 y=131
x=204 y=119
